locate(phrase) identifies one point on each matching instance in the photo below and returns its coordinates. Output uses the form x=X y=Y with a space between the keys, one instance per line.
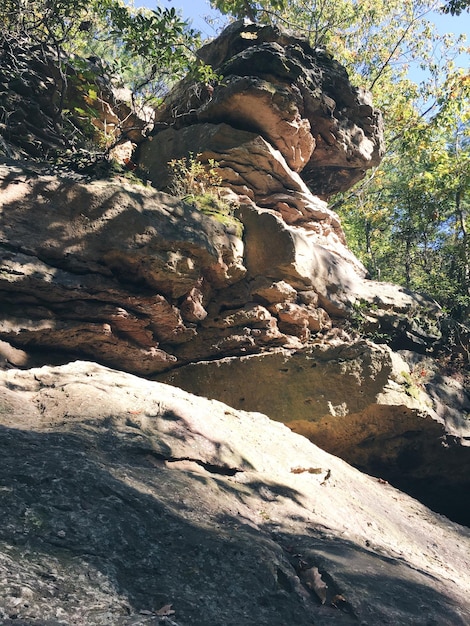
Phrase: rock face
x=386 y=413
x=121 y=497
x=145 y=282
x=264 y=307
x=299 y=100
x=99 y=268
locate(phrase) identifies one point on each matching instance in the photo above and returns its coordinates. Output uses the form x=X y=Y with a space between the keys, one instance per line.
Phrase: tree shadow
x=99 y=530
x=97 y=270
x=94 y=528
x=385 y=590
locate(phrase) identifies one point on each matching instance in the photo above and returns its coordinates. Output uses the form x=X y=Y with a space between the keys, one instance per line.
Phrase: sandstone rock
x=104 y=269
x=359 y=401
x=262 y=131
x=299 y=99
x=273 y=292
x=247 y=163
x=270 y=109
x=126 y=275
x=123 y=496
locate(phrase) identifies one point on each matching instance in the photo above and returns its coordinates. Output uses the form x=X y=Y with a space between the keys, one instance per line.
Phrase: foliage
x=411 y=226
x=455 y=7
x=199 y=183
x=100 y=43
x=112 y=30
x=413 y=382
x=249 y=8
x=189 y=176
x=217 y=208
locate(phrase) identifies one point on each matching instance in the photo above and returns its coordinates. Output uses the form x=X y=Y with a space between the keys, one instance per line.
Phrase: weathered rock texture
x=257 y=308
x=403 y=421
x=122 y=496
x=145 y=282
x=98 y=268
x=292 y=101
x=46 y=109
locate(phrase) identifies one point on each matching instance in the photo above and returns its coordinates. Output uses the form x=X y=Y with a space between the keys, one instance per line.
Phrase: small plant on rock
x=190 y=177
x=200 y=184
x=413 y=382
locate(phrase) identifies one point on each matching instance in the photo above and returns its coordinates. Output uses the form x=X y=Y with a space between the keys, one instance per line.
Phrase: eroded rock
x=39 y=106
x=123 y=496
x=102 y=269
x=394 y=418
x=298 y=99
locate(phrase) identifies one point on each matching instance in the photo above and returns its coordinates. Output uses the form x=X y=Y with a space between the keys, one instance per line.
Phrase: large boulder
x=128 y=502
x=393 y=415
x=297 y=98
x=141 y=280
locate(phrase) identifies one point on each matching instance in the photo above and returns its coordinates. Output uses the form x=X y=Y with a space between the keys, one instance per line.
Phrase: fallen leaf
x=165 y=611
x=338 y=599
x=312 y=579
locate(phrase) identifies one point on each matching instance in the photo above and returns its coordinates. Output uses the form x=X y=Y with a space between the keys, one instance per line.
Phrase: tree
x=455 y=7
x=409 y=220
x=249 y=8
x=90 y=47
x=143 y=46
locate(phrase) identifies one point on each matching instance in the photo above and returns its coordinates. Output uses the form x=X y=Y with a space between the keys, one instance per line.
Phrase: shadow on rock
x=92 y=535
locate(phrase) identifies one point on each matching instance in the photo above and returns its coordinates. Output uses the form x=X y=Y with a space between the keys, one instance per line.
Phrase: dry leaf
x=312 y=579
x=338 y=599
x=165 y=611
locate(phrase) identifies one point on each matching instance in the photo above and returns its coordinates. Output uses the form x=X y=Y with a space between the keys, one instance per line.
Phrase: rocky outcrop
x=257 y=301
x=99 y=268
x=392 y=415
x=296 y=98
x=286 y=129
x=152 y=283
x=144 y=281
x=126 y=502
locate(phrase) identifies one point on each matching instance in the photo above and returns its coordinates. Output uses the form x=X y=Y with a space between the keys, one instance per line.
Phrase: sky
x=197 y=10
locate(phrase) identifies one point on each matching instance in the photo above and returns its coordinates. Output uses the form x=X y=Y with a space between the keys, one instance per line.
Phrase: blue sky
x=196 y=10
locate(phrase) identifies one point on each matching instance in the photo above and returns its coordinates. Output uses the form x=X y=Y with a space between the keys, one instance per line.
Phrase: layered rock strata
x=262 y=304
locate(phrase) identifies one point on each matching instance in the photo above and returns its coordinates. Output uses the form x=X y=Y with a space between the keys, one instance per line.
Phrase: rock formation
x=262 y=306
x=47 y=110
x=128 y=502
x=152 y=282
